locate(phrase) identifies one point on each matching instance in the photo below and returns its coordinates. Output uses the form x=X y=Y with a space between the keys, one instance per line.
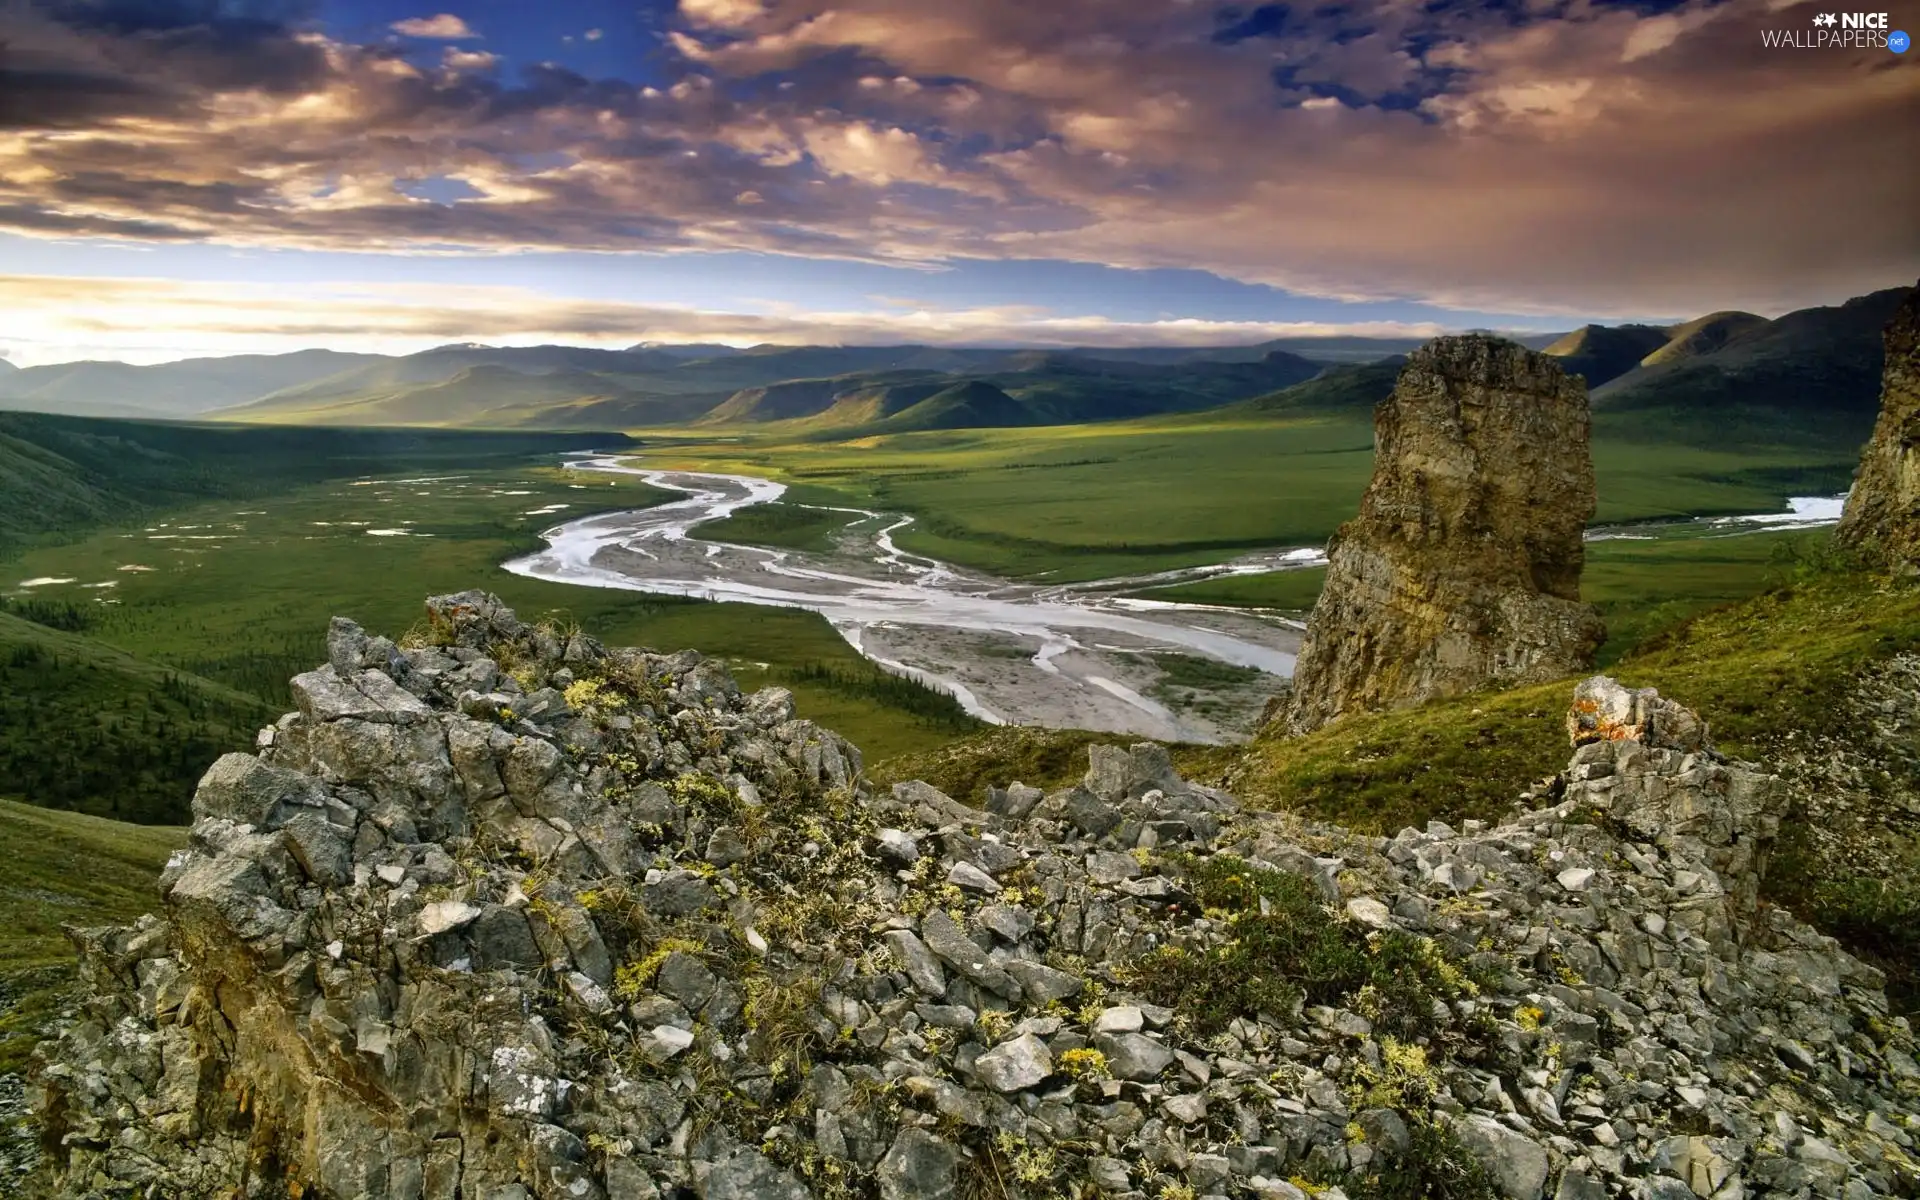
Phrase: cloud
x=444 y=26
x=236 y=318
x=594 y=35
x=1570 y=158
x=469 y=60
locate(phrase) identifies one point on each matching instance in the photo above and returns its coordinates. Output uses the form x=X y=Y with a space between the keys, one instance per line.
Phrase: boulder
x=1462 y=570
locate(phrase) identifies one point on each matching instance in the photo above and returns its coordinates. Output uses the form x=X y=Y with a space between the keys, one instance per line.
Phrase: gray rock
x=919 y=1166
x=897 y=846
x=1370 y=912
x=442 y=915
x=1134 y=1056
x=960 y=952
x=321 y=849
x=365 y=696
x=1043 y=984
x=1016 y=1065
x=1517 y=1163
x=683 y=977
x=1110 y=1175
x=967 y=877
x=1577 y=1185
x=917 y=961
x=750 y=1175
x=677 y=894
x=1125 y=1018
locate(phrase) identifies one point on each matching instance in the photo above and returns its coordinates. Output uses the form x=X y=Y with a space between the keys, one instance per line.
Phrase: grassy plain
x=239 y=595
x=1091 y=501
x=778 y=524
x=1641 y=585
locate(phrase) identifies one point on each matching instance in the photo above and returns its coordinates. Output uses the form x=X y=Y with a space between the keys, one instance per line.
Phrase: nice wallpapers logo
x=1840 y=31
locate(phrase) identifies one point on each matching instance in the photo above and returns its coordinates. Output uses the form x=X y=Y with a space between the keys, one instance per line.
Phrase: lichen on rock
x=529 y=918
x=1462 y=569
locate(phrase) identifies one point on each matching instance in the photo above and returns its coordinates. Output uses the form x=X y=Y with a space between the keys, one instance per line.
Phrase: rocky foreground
x=506 y=914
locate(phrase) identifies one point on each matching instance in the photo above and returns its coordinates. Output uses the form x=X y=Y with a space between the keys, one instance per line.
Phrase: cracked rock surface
x=509 y=915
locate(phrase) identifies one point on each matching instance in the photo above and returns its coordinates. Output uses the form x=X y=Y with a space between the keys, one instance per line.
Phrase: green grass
x=1778 y=662
x=246 y=606
x=63 y=868
x=1767 y=674
x=1640 y=587
x=1294 y=591
x=1285 y=946
x=62 y=477
x=779 y=524
x=1091 y=501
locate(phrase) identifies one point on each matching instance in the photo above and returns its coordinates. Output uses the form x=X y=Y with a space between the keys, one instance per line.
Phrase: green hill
x=1811 y=375
x=975 y=404
x=1703 y=335
x=1349 y=387
x=1602 y=352
x=484 y=396
x=64 y=869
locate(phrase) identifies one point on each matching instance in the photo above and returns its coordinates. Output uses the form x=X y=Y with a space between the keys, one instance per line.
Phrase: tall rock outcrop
x=1883 y=512
x=509 y=915
x=1463 y=568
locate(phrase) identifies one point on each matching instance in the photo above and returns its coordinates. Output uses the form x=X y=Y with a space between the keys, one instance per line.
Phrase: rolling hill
x=1703 y=335
x=1338 y=388
x=1810 y=378
x=1603 y=352
x=177 y=389
x=1811 y=374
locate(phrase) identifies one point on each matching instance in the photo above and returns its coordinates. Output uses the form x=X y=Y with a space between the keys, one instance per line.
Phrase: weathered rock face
x=1463 y=568
x=1882 y=516
x=512 y=916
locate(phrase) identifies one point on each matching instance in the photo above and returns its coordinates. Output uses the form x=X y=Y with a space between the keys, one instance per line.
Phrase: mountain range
x=1818 y=365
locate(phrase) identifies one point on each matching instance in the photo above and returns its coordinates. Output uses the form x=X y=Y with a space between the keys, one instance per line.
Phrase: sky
x=185 y=177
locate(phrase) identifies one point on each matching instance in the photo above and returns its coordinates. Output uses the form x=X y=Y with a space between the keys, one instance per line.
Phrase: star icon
x=1825 y=19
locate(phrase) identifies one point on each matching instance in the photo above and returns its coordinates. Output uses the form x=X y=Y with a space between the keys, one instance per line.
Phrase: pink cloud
x=444 y=26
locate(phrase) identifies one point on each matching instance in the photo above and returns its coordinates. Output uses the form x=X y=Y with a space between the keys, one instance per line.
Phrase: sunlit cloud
x=1581 y=159
x=444 y=26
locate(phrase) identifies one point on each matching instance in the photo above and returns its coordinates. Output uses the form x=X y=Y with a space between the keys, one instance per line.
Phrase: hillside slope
x=1813 y=374
x=86 y=727
x=1599 y=353
x=63 y=869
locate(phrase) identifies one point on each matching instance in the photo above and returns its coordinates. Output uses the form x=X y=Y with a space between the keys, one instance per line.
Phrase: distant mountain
x=1020 y=387
x=974 y=404
x=1343 y=387
x=1603 y=352
x=685 y=349
x=778 y=401
x=8 y=367
x=1703 y=335
x=177 y=389
x=1813 y=375
x=487 y=396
